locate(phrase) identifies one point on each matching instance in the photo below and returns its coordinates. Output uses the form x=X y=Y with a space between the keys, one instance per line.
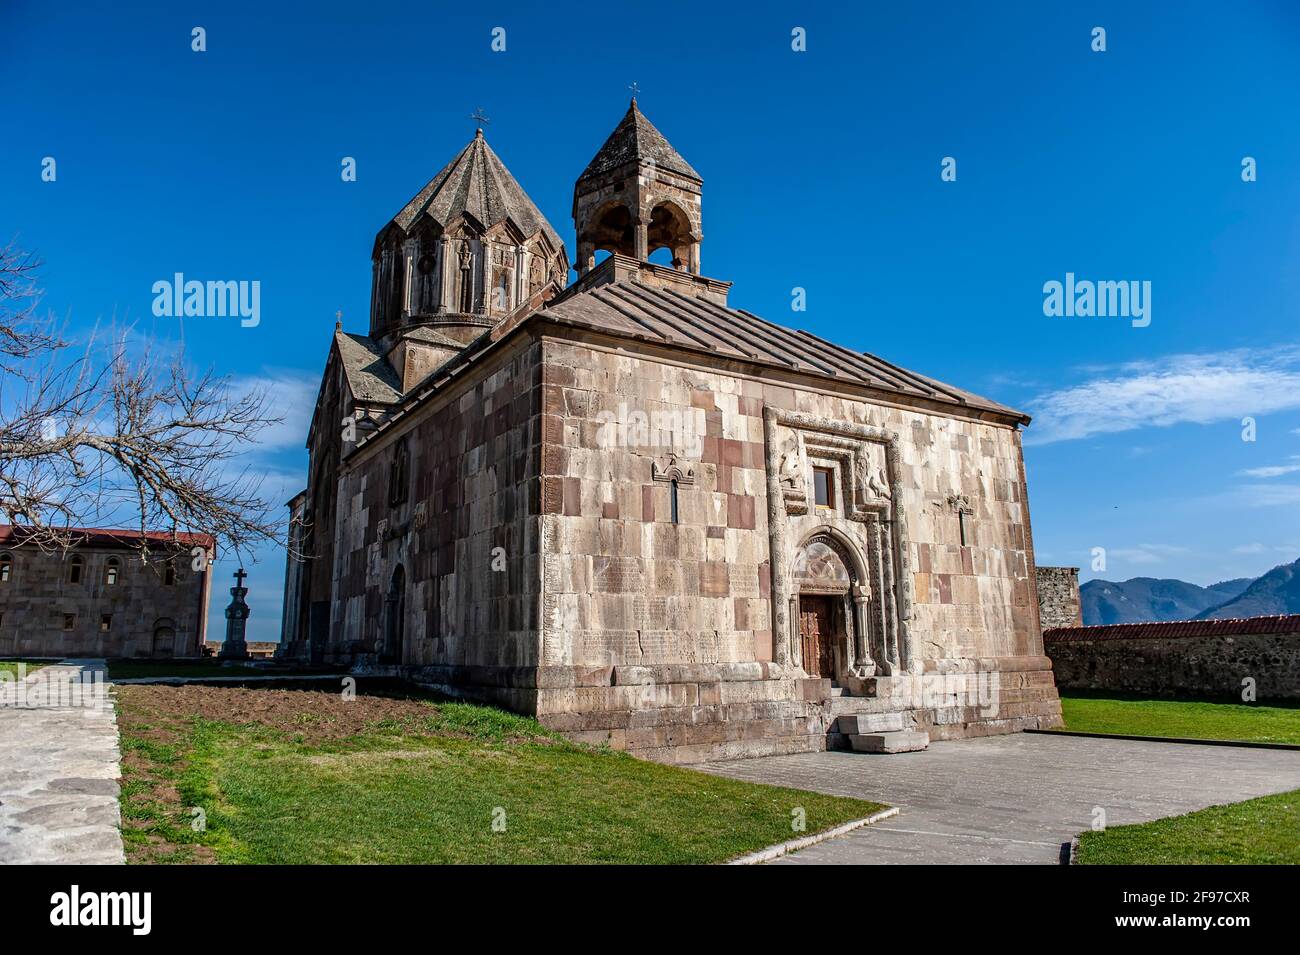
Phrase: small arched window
x=169 y=574
x=75 y=568
x=6 y=568
x=466 y=276
x=399 y=474
x=501 y=291
x=672 y=499
x=112 y=568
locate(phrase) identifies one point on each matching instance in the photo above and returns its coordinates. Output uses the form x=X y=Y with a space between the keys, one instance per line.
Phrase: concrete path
x=59 y=766
x=1014 y=798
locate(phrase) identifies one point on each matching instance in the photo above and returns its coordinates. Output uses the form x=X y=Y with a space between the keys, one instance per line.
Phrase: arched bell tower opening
x=670 y=228
x=636 y=196
x=610 y=230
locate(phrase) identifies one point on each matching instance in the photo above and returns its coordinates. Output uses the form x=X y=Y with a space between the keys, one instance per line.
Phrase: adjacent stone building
x=99 y=599
x=645 y=516
x=1059 y=604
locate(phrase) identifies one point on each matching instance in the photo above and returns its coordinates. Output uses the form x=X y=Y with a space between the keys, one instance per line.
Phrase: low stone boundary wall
x=1211 y=658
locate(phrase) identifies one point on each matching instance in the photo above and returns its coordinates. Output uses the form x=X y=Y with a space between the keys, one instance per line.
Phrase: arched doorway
x=395 y=617
x=829 y=600
x=164 y=638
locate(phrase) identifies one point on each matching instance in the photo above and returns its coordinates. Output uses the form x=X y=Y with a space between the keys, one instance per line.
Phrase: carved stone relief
x=790 y=472
x=672 y=470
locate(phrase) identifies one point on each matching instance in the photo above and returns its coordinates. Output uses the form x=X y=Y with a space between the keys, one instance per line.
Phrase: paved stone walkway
x=58 y=772
x=1014 y=798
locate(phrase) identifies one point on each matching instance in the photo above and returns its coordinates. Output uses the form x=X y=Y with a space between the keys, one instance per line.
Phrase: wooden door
x=816 y=636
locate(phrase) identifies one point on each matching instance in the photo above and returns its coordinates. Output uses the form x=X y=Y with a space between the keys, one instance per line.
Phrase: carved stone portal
x=869 y=532
x=828 y=574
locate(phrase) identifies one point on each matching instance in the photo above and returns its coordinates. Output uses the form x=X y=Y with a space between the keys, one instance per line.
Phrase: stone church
x=648 y=517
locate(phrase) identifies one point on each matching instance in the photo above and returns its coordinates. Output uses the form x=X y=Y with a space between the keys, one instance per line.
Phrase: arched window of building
x=169 y=574
x=6 y=568
x=76 y=566
x=399 y=474
x=672 y=492
x=465 y=260
x=501 y=291
x=112 y=568
x=396 y=280
x=395 y=615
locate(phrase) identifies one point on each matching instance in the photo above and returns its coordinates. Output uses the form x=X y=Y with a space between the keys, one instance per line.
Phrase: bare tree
x=94 y=434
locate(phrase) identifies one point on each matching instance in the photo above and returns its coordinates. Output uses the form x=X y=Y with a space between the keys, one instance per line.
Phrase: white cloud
x=1201 y=389
x=291 y=395
x=1276 y=470
x=1267 y=495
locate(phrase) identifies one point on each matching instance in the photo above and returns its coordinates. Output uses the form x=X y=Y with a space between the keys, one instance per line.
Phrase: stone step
x=898 y=741
x=850 y=723
x=840 y=705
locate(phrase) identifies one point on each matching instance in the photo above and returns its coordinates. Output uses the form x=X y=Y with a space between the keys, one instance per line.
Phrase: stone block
x=862 y=723
x=816 y=690
x=900 y=741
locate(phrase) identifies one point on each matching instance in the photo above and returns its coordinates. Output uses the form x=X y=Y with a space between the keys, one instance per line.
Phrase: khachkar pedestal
x=235 y=647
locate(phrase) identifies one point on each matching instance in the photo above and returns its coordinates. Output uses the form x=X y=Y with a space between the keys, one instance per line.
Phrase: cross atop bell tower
x=638 y=195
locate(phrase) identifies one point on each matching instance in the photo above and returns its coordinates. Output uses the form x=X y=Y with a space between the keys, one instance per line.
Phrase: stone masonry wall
x=1208 y=662
x=633 y=588
x=465 y=536
x=1058 y=597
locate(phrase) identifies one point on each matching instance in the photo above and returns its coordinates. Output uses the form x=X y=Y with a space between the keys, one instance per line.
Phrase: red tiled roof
x=110 y=536
x=1282 y=623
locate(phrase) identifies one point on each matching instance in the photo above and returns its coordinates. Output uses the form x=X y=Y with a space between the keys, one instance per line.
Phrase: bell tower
x=638 y=195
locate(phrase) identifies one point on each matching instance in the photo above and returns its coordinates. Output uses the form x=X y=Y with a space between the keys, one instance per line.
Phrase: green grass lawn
x=135 y=669
x=293 y=777
x=1249 y=722
x=11 y=666
x=1263 y=831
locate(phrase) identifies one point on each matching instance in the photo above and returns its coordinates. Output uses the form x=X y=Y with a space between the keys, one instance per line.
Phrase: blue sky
x=821 y=168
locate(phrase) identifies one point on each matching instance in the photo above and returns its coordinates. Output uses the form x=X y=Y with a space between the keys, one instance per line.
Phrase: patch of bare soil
x=316 y=716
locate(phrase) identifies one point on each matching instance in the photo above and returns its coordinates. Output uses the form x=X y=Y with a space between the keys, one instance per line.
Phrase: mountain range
x=1148 y=598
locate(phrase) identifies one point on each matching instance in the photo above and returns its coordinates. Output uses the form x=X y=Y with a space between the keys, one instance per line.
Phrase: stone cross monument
x=235 y=647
